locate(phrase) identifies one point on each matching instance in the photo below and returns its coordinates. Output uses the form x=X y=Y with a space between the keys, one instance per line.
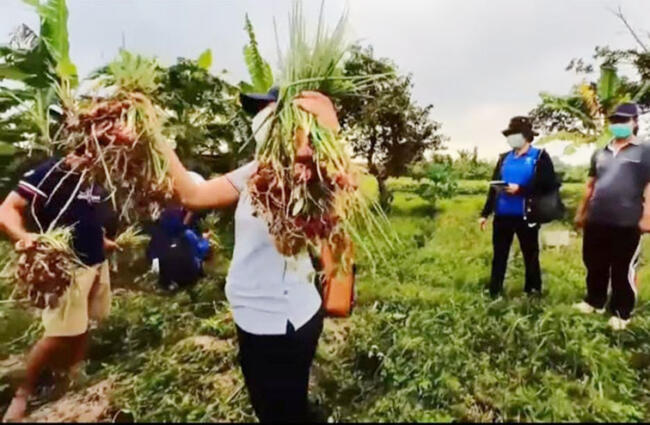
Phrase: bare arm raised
x=219 y=192
x=214 y=193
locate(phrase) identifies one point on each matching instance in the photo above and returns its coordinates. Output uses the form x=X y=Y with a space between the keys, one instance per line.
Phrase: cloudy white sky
x=479 y=62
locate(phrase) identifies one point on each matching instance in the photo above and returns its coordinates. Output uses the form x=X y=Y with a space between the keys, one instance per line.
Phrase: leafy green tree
x=210 y=129
x=580 y=117
x=384 y=124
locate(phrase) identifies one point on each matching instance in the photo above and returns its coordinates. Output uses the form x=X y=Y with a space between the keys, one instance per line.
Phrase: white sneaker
x=618 y=324
x=586 y=308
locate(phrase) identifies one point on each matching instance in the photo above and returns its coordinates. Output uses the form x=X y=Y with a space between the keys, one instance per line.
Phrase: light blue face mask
x=621 y=131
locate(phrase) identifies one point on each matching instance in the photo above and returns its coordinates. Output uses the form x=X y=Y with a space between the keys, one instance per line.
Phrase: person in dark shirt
x=614 y=213
x=54 y=194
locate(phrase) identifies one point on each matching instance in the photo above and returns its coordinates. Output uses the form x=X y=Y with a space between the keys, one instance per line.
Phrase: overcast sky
x=479 y=62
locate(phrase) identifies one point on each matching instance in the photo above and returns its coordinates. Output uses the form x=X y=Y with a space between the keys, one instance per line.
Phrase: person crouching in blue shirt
x=519 y=174
x=177 y=250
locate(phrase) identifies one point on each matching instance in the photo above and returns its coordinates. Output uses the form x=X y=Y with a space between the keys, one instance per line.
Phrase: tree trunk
x=371 y=154
x=385 y=196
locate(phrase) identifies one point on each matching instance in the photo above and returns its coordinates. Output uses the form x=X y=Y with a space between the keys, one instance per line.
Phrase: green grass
x=428 y=345
x=424 y=344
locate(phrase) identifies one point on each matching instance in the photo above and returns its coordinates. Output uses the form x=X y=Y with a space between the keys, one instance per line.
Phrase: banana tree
x=33 y=69
x=581 y=117
x=259 y=70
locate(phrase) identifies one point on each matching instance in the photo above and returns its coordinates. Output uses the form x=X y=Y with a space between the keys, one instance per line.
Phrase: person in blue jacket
x=521 y=173
x=177 y=249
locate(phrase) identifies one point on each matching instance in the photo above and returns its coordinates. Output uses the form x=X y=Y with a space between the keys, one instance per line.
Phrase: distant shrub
x=472 y=187
x=436 y=181
x=439 y=182
x=572 y=174
x=467 y=166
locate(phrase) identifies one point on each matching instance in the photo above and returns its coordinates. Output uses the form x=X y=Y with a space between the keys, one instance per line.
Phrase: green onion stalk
x=131 y=240
x=308 y=202
x=121 y=137
x=132 y=237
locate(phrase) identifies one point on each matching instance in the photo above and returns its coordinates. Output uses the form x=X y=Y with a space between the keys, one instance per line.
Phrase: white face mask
x=516 y=141
x=261 y=125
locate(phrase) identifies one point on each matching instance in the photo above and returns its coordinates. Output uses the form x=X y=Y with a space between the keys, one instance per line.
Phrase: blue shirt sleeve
x=200 y=246
x=204 y=248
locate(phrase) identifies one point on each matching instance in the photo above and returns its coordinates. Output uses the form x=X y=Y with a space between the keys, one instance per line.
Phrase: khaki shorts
x=78 y=304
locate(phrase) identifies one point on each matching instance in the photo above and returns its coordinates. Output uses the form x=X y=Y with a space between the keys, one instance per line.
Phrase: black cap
x=626 y=110
x=255 y=102
x=521 y=125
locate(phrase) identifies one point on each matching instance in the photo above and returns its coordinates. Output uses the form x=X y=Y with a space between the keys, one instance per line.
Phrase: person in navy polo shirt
x=54 y=194
x=522 y=172
x=614 y=213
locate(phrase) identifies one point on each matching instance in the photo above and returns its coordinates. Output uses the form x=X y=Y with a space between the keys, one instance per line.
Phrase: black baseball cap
x=626 y=110
x=521 y=125
x=255 y=102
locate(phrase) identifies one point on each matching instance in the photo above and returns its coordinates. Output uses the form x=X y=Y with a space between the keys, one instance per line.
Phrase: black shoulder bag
x=544 y=207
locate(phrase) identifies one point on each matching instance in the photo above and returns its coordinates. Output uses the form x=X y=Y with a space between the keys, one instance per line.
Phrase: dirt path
x=90 y=405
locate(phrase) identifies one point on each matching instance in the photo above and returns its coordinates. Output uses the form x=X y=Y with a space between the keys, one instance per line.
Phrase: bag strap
x=499 y=166
x=539 y=156
x=536 y=168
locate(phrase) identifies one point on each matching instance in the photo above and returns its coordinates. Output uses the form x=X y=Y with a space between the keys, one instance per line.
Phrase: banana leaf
x=567 y=104
x=259 y=70
x=205 y=60
x=565 y=136
x=12 y=72
x=608 y=86
x=54 y=33
x=645 y=88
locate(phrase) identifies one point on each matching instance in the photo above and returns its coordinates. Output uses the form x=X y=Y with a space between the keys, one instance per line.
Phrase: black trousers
x=276 y=370
x=504 y=230
x=611 y=254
